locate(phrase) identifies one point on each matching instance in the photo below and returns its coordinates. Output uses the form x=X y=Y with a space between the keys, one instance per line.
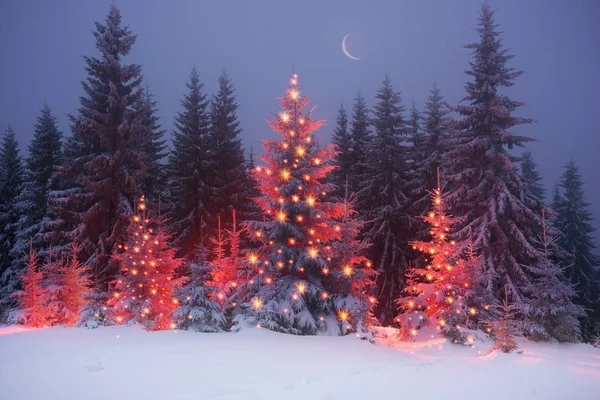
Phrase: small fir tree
x=144 y=288
x=503 y=327
x=32 y=310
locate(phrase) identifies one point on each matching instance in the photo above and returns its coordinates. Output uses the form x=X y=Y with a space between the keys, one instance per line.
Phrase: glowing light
x=472 y=311
x=431 y=215
x=343 y=315
x=253 y=257
x=136 y=218
x=134 y=271
x=325 y=271
x=142 y=207
x=257 y=303
x=411 y=304
x=307 y=177
x=313 y=253
x=292 y=241
x=301 y=287
x=284 y=117
x=173 y=326
x=311 y=201
x=146 y=310
x=372 y=300
x=301 y=121
x=117 y=294
x=294 y=94
x=285 y=174
x=324 y=295
x=119 y=319
x=295 y=296
x=136 y=249
x=269 y=280
x=348 y=270
x=438 y=200
x=413 y=332
x=300 y=151
x=317 y=161
x=299 y=218
x=337 y=228
x=281 y=216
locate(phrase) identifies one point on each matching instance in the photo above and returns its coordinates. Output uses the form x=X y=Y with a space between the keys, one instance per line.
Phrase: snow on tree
x=230 y=178
x=110 y=163
x=343 y=160
x=32 y=203
x=189 y=166
x=437 y=293
x=144 y=289
x=385 y=203
x=67 y=284
x=300 y=283
x=154 y=146
x=11 y=178
x=503 y=327
x=31 y=300
x=573 y=221
x=198 y=311
x=550 y=302
x=485 y=186
x=533 y=189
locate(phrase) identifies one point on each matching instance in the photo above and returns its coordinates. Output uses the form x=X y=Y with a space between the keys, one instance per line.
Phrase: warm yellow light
x=325 y=271
x=136 y=218
x=253 y=257
x=153 y=291
x=294 y=94
x=347 y=270
x=301 y=121
x=312 y=252
x=281 y=216
x=301 y=287
x=343 y=315
x=372 y=300
x=310 y=200
x=300 y=151
x=285 y=174
x=295 y=198
x=257 y=303
x=413 y=332
x=292 y=241
x=438 y=200
x=295 y=296
x=146 y=237
x=294 y=81
x=307 y=177
x=136 y=249
x=431 y=215
x=141 y=206
x=116 y=294
x=146 y=310
x=300 y=218
x=411 y=304
x=324 y=295
x=284 y=117
x=472 y=311
x=134 y=271
x=338 y=228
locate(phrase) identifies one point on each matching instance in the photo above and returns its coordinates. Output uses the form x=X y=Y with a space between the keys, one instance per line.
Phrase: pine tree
x=485 y=186
x=154 y=146
x=533 y=191
x=360 y=139
x=342 y=139
x=108 y=162
x=11 y=178
x=299 y=281
x=573 y=221
x=550 y=302
x=31 y=310
x=385 y=202
x=189 y=166
x=504 y=326
x=67 y=284
x=430 y=149
x=198 y=312
x=231 y=181
x=437 y=294
x=144 y=289
x=32 y=203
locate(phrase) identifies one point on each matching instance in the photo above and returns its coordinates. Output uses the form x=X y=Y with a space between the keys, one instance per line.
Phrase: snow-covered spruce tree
x=229 y=175
x=154 y=146
x=67 y=283
x=437 y=293
x=360 y=138
x=32 y=204
x=198 y=311
x=189 y=166
x=11 y=178
x=299 y=279
x=384 y=201
x=144 y=289
x=550 y=302
x=109 y=164
x=573 y=221
x=485 y=185
x=343 y=161
x=31 y=310
x=503 y=326
x=429 y=149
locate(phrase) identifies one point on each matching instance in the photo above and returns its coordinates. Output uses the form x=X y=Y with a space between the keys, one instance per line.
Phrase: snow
x=127 y=363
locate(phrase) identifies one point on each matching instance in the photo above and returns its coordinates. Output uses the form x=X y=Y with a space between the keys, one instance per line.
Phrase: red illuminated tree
x=437 y=293
x=32 y=310
x=143 y=291
x=302 y=282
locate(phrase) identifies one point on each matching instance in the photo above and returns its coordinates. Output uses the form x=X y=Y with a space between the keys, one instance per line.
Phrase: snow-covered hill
x=121 y=363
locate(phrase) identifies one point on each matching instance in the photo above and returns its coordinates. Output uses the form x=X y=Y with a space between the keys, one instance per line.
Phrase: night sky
x=556 y=43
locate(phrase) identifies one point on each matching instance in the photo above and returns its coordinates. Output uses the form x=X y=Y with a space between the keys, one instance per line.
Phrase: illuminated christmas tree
x=303 y=280
x=143 y=291
x=437 y=293
x=32 y=310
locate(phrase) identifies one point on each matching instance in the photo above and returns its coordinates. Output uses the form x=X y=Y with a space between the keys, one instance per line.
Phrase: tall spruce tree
x=360 y=137
x=189 y=170
x=154 y=145
x=485 y=186
x=230 y=178
x=45 y=155
x=343 y=161
x=573 y=221
x=385 y=202
x=106 y=159
x=11 y=178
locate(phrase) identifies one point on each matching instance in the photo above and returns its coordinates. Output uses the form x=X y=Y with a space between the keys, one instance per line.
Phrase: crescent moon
x=345 y=50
